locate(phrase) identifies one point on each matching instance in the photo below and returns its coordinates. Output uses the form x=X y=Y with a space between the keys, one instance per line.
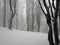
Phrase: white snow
x=16 y=37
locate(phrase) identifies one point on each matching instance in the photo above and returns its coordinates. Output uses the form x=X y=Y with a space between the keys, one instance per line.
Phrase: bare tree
x=32 y=11
x=13 y=12
x=38 y=21
x=51 y=16
x=4 y=12
x=55 y=22
x=30 y=15
x=38 y=14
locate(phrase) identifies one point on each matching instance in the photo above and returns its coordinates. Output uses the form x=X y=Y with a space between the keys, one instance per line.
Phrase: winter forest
x=37 y=16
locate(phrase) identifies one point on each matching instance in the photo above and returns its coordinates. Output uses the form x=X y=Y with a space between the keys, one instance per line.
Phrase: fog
x=29 y=25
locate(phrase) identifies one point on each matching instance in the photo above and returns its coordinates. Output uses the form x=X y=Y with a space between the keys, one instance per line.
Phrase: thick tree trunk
x=56 y=33
x=50 y=34
x=55 y=23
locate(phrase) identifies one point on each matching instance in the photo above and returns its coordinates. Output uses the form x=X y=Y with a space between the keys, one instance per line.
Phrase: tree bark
x=55 y=23
x=50 y=34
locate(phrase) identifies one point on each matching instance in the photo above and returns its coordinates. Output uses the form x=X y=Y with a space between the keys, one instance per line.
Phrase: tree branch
x=53 y=4
x=47 y=8
x=51 y=8
x=57 y=8
x=41 y=7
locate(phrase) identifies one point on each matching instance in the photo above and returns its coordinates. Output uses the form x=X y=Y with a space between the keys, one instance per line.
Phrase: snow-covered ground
x=16 y=37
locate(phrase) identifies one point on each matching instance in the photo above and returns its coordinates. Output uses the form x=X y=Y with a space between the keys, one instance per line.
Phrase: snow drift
x=16 y=37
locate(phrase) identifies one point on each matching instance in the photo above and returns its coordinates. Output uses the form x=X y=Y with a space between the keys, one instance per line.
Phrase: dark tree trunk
x=55 y=23
x=50 y=36
x=50 y=33
x=49 y=16
x=13 y=12
x=56 y=33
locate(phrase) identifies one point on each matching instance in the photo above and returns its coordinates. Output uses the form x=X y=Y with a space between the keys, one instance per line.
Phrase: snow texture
x=16 y=37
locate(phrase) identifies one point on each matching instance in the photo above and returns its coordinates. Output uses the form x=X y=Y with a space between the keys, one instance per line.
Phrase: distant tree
x=51 y=17
x=4 y=12
x=30 y=15
x=37 y=14
x=38 y=18
x=13 y=11
x=32 y=11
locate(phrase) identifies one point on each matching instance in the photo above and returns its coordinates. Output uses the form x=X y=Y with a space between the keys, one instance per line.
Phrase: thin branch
x=53 y=4
x=41 y=7
x=47 y=8
x=51 y=8
x=57 y=8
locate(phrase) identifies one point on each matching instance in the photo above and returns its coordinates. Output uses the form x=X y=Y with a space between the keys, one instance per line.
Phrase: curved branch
x=14 y=8
x=41 y=7
x=13 y=11
x=10 y=5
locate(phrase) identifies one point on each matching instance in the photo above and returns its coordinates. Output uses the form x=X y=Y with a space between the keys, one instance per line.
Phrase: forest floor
x=16 y=37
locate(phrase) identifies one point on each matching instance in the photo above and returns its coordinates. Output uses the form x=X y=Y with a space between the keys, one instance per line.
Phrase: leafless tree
x=51 y=16
x=38 y=14
x=32 y=11
x=38 y=22
x=30 y=15
x=4 y=12
x=13 y=12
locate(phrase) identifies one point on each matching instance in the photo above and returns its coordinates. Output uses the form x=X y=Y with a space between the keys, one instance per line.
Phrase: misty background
x=24 y=9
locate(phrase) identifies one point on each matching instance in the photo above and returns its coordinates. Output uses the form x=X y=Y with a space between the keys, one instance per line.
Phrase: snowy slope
x=16 y=37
